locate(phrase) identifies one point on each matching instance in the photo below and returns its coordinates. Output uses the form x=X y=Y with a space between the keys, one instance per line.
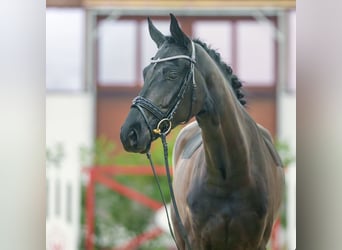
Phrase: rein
x=163 y=128
x=174 y=204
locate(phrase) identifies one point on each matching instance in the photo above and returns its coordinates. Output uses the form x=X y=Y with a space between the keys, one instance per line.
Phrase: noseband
x=165 y=118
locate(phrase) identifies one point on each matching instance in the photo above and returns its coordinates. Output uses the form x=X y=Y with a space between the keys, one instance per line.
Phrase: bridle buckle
x=159 y=131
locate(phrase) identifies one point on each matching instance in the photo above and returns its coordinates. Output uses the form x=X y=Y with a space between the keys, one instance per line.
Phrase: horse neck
x=224 y=125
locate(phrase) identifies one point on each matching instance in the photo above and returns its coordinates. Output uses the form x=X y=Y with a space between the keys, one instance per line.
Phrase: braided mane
x=227 y=71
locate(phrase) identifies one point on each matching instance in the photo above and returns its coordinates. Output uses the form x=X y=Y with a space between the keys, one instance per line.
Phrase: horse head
x=167 y=96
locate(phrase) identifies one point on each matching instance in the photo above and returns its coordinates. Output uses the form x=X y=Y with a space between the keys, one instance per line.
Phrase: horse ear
x=178 y=34
x=155 y=34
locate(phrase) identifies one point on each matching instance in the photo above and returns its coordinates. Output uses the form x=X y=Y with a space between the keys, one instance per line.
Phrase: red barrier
x=128 y=192
x=275 y=245
x=90 y=205
x=99 y=175
x=140 y=239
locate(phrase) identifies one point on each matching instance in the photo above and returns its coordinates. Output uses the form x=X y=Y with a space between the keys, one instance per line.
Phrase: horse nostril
x=132 y=137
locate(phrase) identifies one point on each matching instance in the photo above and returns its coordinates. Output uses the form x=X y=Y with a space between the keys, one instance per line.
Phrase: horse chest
x=231 y=219
x=203 y=204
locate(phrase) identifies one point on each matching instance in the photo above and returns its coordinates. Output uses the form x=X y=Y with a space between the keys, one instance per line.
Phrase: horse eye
x=172 y=75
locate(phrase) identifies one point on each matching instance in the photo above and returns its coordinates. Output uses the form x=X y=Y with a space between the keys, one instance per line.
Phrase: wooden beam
x=64 y=3
x=192 y=3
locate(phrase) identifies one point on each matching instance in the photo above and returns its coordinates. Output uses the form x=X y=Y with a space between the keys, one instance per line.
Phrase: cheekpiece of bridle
x=164 y=123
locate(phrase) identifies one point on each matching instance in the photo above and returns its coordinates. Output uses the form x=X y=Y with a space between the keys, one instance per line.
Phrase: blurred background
x=98 y=196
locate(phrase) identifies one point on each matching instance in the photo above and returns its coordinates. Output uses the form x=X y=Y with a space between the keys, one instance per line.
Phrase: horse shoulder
x=187 y=134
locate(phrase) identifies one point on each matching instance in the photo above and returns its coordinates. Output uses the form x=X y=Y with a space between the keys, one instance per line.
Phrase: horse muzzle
x=134 y=135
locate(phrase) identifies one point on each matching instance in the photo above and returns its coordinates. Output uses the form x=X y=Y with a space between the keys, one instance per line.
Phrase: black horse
x=228 y=177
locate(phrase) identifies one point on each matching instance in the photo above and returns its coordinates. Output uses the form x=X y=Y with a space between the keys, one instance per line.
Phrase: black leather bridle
x=142 y=103
x=165 y=118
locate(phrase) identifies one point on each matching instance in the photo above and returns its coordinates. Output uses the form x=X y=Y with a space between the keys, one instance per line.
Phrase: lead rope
x=148 y=154
x=169 y=181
